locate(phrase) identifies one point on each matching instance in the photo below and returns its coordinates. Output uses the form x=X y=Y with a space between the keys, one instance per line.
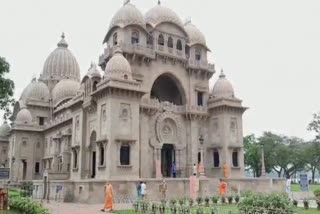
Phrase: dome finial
x=62 y=43
x=126 y=2
x=159 y=2
x=222 y=75
x=187 y=20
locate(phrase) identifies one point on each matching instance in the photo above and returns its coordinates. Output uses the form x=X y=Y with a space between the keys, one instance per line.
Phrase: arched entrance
x=167 y=88
x=168 y=156
x=93 y=154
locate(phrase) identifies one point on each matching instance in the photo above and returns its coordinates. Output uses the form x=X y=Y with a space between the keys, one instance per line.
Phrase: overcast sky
x=270 y=50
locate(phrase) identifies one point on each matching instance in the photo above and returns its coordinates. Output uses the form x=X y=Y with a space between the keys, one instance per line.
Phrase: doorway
x=24 y=169
x=167 y=158
x=199 y=157
x=93 y=171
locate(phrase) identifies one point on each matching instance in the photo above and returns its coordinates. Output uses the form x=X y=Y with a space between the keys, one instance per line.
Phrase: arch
x=170 y=42
x=168 y=88
x=160 y=40
x=179 y=45
x=93 y=137
x=94 y=85
x=93 y=154
x=198 y=54
x=135 y=37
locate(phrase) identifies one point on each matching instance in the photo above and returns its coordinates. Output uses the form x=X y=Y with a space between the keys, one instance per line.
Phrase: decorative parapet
x=58 y=120
x=201 y=64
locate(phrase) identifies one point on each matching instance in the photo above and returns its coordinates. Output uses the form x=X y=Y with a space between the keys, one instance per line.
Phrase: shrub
x=223 y=200
x=215 y=199
x=237 y=198
x=316 y=192
x=27 y=188
x=199 y=200
x=27 y=206
x=306 y=204
x=295 y=203
x=190 y=201
x=230 y=199
x=207 y=200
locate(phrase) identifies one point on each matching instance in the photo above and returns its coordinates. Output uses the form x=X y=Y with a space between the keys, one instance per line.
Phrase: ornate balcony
x=201 y=64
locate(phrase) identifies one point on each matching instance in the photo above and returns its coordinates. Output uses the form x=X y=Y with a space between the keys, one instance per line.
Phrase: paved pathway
x=75 y=208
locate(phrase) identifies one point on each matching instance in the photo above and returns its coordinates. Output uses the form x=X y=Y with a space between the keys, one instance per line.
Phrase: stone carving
x=168 y=128
x=125 y=119
x=233 y=130
x=103 y=120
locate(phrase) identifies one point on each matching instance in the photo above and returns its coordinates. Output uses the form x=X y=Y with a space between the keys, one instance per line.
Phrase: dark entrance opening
x=165 y=88
x=167 y=158
x=199 y=157
x=93 y=171
x=24 y=169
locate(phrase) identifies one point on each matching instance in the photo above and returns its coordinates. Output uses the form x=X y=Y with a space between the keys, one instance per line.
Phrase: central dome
x=61 y=64
x=160 y=14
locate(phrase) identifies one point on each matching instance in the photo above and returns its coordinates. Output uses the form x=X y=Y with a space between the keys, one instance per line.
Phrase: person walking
x=108 y=198
x=174 y=170
x=222 y=188
x=143 y=190
x=139 y=190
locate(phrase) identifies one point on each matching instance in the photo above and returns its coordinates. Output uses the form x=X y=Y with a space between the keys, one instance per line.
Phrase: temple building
x=145 y=105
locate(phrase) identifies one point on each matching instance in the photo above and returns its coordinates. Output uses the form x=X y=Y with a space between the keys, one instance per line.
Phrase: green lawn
x=296 y=187
x=233 y=209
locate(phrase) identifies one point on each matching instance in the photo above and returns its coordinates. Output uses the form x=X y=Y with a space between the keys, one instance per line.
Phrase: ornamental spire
x=126 y=2
x=222 y=75
x=62 y=43
x=159 y=2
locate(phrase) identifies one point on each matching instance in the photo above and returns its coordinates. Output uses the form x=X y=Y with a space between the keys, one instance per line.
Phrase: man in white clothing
x=143 y=190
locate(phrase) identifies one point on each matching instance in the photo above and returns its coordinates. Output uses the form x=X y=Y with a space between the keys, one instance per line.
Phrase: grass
x=296 y=187
x=234 y=210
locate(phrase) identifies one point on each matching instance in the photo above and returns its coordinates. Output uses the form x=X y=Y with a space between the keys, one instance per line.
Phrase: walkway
x=75 y=208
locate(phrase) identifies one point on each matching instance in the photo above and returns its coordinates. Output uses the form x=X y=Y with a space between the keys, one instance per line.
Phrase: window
x=198 y=54
x=179 y=45
x=187 y=51
x=216 y=158
x=200 y=98
x=161 y=40
x=134 y=37
x=125 y=154
x=94 y=86
x=170 y=42
x=149 y=41
x=37 y=167
x=115 y=38
x=101 y=155
x=41 y=121
x=24 y=143
x=60 y=165
x=75 y=159
x=235 y=159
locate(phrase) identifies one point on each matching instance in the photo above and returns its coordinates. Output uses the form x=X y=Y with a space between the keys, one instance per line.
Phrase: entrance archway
x=168 y=156
x=93 y=154
x=167 y=88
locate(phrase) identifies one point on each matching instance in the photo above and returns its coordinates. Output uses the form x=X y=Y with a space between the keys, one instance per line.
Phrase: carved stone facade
x=149 y=108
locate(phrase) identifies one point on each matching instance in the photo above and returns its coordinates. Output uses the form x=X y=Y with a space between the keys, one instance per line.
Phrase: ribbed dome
x=127 y=15
x=65 y=89
x=24 y=116
x=93 y=70
x=4 y=129
x=160 y=14
x=194 y=34
x=61 y=64
x=36 y=91
x=223 y=87
x=118 y=66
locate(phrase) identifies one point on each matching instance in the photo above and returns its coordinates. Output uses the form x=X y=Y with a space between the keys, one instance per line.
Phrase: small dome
x=223 y=87
x=160 y=14
x=65 y=89
x=36 y=91
x=127 y=15
x=93 y=70
x=61 y=64
x=4 y=129
x=24 y=116
x=118 y=67
x=194 y=34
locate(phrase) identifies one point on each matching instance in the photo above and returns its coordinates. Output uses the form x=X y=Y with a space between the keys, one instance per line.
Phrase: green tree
x=314 y=125
x=252 y=155
x=6 y=88
x=312 y=157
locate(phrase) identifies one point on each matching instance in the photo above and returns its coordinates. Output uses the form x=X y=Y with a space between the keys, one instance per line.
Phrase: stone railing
x=130 y=48
x=201 y=64
x=57 y=120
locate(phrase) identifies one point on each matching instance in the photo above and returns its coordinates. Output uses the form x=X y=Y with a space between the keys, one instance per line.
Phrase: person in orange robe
x=108 y=197
x=225 y=170
x=222 y=188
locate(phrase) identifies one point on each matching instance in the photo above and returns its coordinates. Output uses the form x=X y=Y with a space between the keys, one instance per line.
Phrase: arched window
x=101 y=155
x=134 y=37
x=150 y=41
x=125 y=154
x=216 y=158
x=170 y=42
x=187 y=51
x=115 y=38
x=94 y=86
x=235 y=161
x=75 y=159
x=198 y=54
x=161 y=40
x=179 y=45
